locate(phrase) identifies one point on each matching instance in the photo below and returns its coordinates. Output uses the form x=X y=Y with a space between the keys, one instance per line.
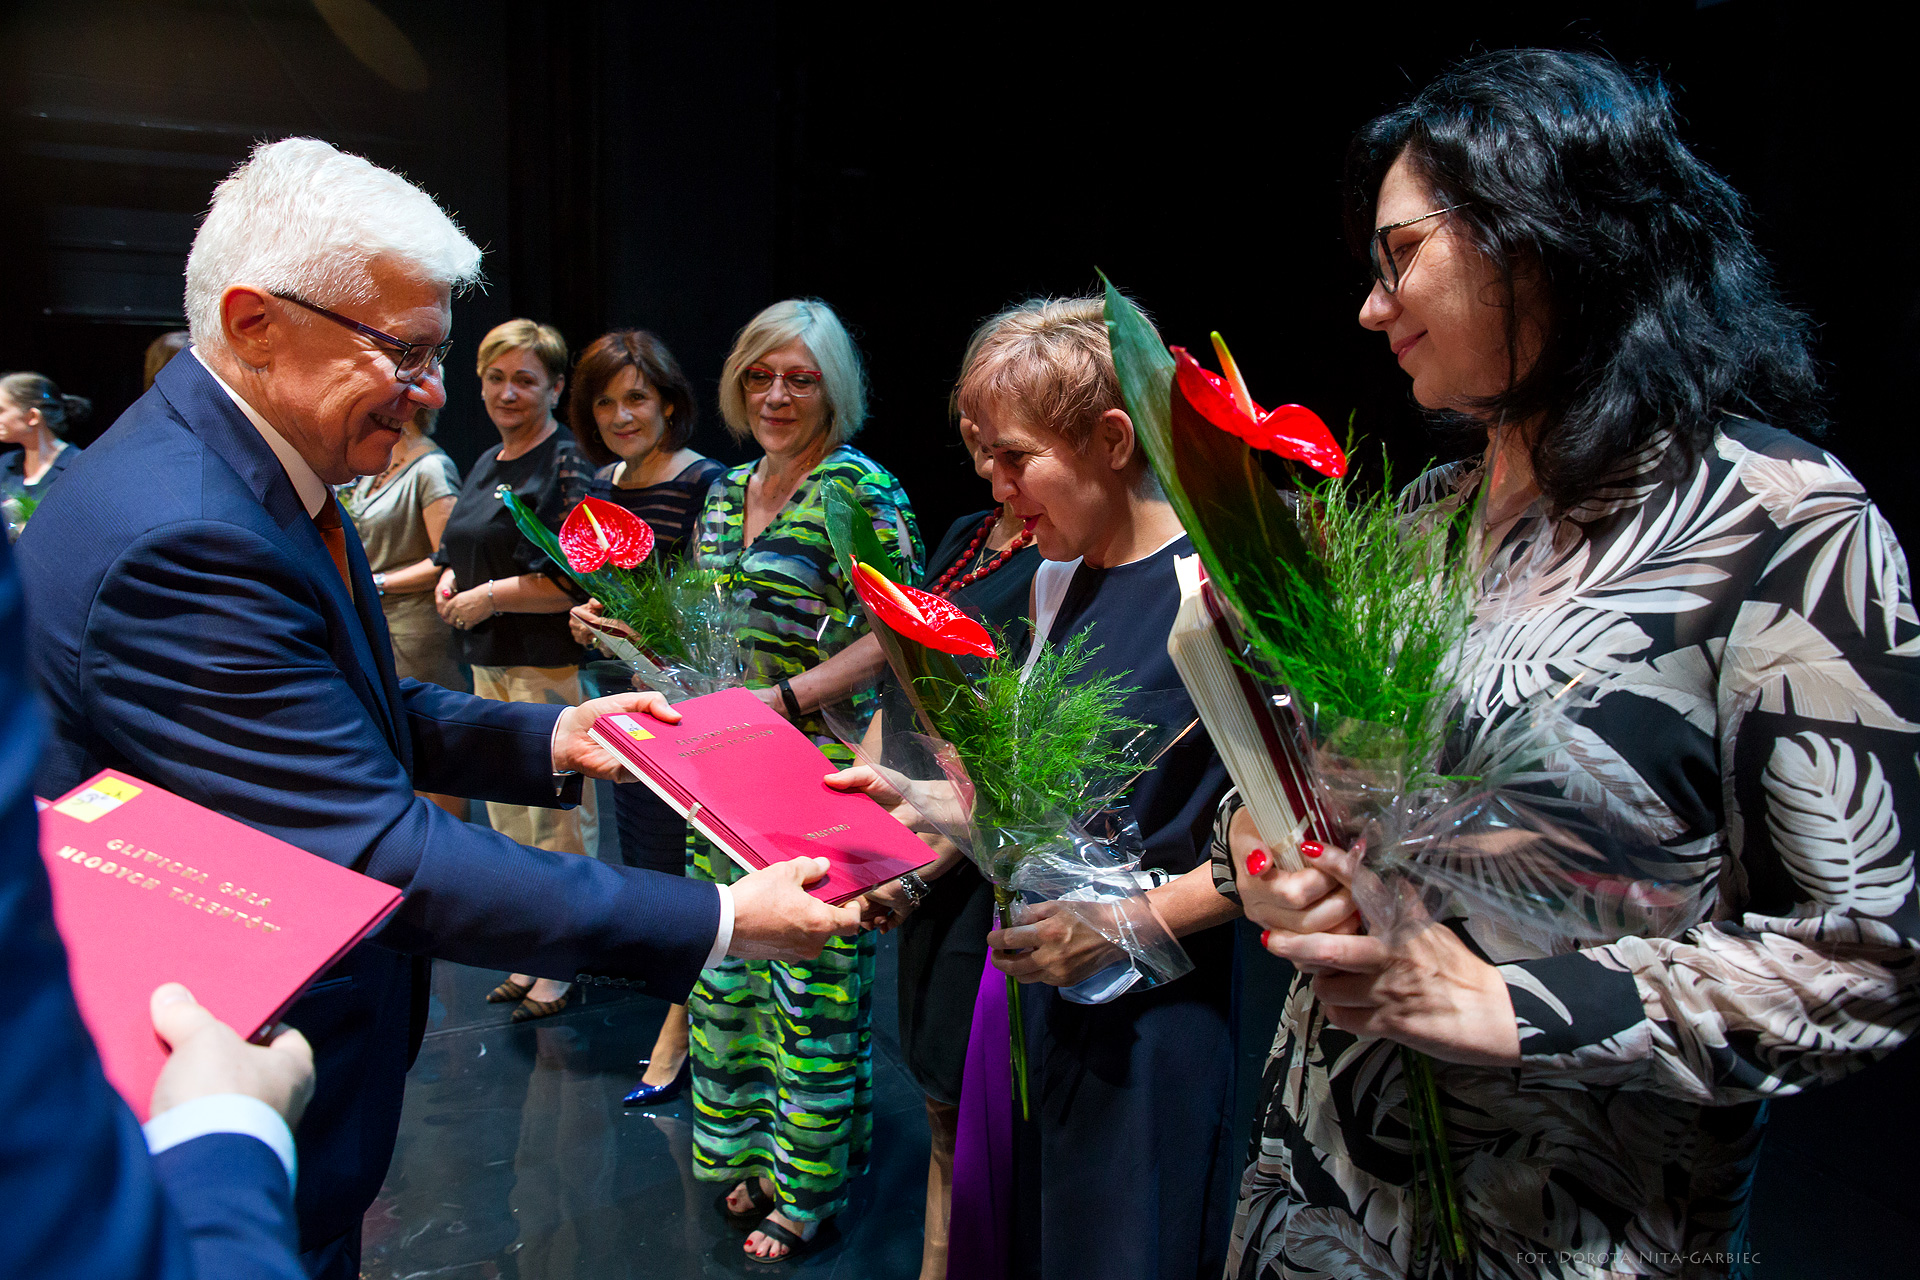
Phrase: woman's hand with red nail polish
x=1314 y=900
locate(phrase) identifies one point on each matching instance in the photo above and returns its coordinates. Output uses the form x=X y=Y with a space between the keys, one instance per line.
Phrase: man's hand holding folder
x=774 y=917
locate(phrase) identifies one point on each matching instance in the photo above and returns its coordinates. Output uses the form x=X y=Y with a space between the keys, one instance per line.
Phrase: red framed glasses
x=801 y=383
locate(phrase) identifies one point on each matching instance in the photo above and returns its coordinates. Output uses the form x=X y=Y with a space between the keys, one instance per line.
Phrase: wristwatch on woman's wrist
x=380 y=584
x=914 y=887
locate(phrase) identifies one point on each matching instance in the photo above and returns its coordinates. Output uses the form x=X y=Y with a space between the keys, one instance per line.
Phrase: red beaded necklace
x=947 y=584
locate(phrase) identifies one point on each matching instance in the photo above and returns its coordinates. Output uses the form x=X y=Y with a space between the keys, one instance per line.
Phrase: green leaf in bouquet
x=650 y=599
x=1370 y=640
x=1040 y=744
x=1241 y=526
x=850 y=530
x=851 y=533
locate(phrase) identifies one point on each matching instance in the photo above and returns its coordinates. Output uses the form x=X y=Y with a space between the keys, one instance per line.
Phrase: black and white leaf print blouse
x=1745 y=624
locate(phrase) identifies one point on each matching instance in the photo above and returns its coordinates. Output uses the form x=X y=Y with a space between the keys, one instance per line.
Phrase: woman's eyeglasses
x=1386 y=269
x=412 y=361
x=801 y=383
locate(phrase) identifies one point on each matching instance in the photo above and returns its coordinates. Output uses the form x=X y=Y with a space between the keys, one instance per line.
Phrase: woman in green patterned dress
x=782 y=1053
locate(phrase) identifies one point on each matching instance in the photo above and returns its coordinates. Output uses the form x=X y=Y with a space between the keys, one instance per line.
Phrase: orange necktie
x=334 y=534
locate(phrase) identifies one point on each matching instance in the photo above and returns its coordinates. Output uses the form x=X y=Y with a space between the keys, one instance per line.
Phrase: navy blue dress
x=1127 y=1171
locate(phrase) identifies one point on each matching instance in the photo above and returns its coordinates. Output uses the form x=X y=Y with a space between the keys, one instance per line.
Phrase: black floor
x=517 y=1162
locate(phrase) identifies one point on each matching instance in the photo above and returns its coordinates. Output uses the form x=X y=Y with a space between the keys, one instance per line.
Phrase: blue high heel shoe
x=644 y=1095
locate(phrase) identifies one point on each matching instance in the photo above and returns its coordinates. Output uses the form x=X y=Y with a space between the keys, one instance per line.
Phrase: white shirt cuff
x=724 y=938
x=231 y=1113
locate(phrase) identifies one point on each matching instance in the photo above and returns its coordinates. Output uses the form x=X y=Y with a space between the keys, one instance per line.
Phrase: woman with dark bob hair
x=632 y=413
x=1556 y=270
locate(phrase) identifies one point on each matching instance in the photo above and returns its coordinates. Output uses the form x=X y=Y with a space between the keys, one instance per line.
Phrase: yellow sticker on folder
x=633 y=727
x=99 y=800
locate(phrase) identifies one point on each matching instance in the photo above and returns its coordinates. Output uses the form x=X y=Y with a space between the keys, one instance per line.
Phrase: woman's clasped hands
x=1424 y=987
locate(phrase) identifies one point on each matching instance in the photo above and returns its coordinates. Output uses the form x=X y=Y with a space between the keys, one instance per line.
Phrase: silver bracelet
x=914 y=887
x=490 y=604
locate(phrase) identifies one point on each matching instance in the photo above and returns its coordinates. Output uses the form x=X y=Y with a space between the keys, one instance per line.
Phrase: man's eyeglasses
x=412 y=361
x=801 y=383
x=1386 y=269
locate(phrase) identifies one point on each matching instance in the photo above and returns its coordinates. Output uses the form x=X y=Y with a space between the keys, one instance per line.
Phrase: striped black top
x=670 y=507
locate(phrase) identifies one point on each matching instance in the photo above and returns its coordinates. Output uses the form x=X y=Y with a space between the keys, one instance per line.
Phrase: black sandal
x=796 y=1245
x=759 y=1203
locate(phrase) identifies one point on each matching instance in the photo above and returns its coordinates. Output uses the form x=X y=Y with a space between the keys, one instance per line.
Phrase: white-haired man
x=202 y=616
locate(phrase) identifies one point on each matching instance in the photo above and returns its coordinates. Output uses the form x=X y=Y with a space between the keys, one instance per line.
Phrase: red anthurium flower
x=1292 y=431
x=933 y=621
x=597 y=532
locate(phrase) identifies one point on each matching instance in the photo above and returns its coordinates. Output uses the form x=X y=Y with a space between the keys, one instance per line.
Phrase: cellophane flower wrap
x=15 y=510
x=1356 y=614
x=685 y=623
x=1018 y=764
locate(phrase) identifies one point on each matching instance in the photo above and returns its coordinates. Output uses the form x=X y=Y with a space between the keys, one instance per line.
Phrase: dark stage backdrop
x=678 y=166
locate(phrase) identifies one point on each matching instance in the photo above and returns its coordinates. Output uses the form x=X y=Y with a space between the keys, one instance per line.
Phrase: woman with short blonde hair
x=782 y=1054
x=1133 y=1097
x=813 y=324
x=1049 y=356
x=506 y=602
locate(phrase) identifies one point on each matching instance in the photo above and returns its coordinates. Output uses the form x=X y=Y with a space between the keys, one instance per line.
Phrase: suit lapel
x=373 y=630
x=211 y=415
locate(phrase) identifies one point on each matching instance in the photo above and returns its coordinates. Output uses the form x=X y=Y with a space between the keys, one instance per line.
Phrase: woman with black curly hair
x=1556 y=271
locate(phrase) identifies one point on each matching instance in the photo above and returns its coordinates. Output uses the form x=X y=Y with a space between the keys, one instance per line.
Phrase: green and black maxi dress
x=782 y=1053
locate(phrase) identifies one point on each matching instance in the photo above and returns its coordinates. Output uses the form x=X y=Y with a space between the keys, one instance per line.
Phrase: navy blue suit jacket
x=82 y=1196
x=189 y=627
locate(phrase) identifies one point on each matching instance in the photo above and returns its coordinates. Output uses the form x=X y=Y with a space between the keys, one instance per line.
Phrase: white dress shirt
x=225 y=1113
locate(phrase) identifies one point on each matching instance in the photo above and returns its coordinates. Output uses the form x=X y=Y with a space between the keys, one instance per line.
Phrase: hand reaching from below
x=574 y=749
x=208 y=1057
x=775 y=918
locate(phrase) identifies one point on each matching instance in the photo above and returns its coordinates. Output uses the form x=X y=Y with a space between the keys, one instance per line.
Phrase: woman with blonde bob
x=782 y=1053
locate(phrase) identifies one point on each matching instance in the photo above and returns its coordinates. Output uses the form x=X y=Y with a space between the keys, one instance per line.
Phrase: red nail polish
x=1264 y=934
x=1258 y=862
x=1312 y=848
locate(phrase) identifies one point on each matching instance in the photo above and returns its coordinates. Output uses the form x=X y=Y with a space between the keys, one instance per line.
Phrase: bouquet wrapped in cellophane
x=685 y=623
x=15 y=510
x=1018 y=764
x=1356 y=622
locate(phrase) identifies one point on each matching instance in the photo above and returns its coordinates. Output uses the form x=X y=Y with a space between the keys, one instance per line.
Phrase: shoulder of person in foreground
x=83 y=1196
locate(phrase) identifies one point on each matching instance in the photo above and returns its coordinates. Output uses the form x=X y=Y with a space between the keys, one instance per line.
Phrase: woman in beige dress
x=400 y=515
